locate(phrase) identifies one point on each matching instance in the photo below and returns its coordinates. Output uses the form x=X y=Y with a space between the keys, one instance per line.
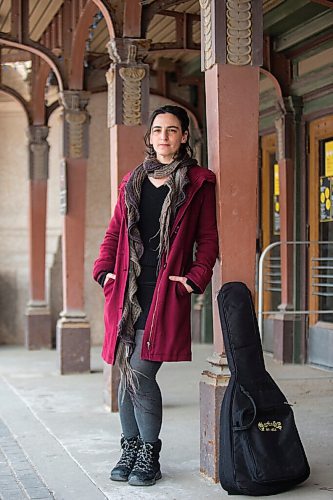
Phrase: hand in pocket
x=109 y=276
x=182 y=280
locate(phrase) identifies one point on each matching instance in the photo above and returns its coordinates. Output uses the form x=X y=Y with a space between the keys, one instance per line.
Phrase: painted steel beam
x=325 y=3
x=20 y=20
x=282 y=11
x=306 y=30
x=39 y=50
x=150 y=10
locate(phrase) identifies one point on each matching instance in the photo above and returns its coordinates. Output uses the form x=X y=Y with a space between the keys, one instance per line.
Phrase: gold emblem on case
x=273 y=426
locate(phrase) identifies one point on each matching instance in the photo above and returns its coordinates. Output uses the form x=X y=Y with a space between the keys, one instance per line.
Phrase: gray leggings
x=144 y=417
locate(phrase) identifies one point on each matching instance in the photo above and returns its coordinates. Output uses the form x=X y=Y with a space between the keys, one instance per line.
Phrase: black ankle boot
x=146 y=470
x=127 y=460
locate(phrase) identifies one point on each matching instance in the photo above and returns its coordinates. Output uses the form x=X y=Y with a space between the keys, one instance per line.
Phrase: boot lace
x=128 y=457
x=145 y=458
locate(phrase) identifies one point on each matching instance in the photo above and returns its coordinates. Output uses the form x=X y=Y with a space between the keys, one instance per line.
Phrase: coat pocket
x=108 y=286
x=181 y=290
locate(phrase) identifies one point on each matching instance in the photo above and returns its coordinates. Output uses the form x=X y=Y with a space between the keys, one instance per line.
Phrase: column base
x=111 y=376
x=283 y=337
x=38 y=332
x=73 y=346
x=212 y=388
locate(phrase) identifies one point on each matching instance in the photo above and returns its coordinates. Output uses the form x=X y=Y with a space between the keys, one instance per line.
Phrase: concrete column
x=128 y=108
x=288 y=114
x=38 y=318
x=73 y=329
x=231 y=66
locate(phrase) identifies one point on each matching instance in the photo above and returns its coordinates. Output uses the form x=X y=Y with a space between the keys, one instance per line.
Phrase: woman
x=146 y=267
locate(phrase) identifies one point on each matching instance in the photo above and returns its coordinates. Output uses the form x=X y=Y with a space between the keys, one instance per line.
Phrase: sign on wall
x=329 y=158
x=326 y=198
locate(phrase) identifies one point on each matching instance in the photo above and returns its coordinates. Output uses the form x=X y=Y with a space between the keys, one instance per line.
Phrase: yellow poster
x=329 y=159
x=276 y=180
x=325 y=196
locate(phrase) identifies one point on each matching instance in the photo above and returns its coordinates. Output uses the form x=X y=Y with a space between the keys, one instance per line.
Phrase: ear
x=184 y=138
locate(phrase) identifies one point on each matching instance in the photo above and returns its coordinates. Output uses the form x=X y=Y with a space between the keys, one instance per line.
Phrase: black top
x=151 y=202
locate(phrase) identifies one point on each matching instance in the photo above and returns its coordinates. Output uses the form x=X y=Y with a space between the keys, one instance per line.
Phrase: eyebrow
x=170 y=126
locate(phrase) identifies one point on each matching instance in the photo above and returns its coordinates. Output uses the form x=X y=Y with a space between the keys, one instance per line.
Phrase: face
x=166 y=136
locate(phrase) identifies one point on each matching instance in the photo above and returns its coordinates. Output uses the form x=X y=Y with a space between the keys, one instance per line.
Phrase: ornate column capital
x=231 y=32
x=128 y=82
x=38 y=152
x=128 y=50
x=76 y=122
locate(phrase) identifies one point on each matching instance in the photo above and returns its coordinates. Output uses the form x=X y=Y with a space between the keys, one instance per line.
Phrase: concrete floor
x=71 y=440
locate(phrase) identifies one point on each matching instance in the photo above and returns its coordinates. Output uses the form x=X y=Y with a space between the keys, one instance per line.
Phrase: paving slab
x=71 y=439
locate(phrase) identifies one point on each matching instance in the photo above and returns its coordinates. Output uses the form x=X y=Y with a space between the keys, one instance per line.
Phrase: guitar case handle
x=247 y=426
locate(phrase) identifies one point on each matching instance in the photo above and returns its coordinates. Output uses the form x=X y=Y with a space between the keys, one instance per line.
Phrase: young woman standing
x=166 y=206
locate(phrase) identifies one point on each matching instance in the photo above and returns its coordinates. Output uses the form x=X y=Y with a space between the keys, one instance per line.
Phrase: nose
x=164 y=134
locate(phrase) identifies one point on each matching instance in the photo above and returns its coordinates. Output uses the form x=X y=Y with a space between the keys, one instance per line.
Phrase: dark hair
x=184 y=120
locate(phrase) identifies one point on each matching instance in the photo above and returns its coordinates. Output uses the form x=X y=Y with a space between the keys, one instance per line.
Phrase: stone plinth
x=38 y=334
x=73 y=346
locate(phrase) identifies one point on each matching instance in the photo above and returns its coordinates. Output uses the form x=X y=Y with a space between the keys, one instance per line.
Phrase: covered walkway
x=263 y=93
x=58 y=440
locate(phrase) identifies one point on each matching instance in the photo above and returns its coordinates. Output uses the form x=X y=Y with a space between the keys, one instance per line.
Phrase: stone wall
x=13 y=222
x=98 y=208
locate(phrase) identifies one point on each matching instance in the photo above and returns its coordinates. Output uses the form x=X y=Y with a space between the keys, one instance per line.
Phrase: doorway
x=320 y=218
x=270 y=233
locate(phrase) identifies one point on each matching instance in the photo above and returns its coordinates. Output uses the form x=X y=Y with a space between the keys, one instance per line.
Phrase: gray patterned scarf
x=176 y=182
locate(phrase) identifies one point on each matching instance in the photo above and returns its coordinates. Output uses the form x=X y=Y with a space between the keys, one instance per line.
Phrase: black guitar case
x=260 y=450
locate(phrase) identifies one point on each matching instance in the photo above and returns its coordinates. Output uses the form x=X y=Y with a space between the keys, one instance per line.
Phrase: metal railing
x=318 y=268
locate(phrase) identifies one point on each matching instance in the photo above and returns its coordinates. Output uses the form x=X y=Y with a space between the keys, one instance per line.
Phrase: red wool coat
x=167 y=335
